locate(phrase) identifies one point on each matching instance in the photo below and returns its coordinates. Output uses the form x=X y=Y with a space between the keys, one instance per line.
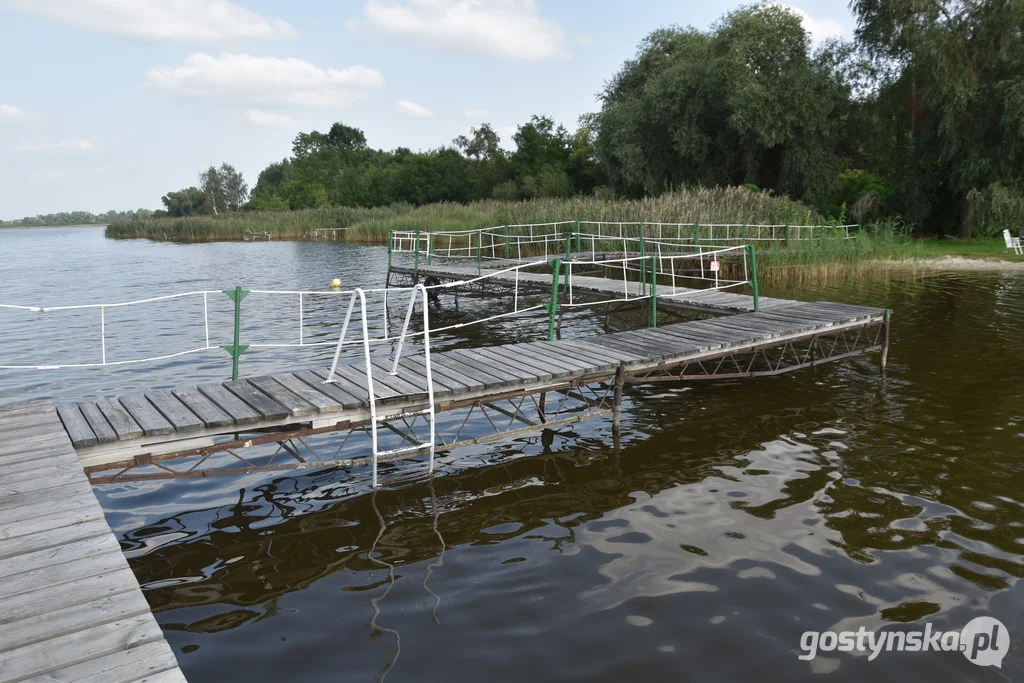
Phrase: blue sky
x=111 y=103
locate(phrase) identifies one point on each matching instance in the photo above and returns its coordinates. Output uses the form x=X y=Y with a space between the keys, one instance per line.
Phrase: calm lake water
x=734 y=517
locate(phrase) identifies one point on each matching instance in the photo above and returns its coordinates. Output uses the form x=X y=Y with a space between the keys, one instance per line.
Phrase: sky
x=110 y=104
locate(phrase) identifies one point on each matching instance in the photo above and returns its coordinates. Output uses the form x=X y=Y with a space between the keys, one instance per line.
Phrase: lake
x=734 y=517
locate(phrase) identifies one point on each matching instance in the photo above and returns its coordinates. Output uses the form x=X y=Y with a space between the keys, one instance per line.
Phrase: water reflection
x=734 y=517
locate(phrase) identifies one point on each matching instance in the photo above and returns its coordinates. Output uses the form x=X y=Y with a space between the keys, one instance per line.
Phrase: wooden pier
x=70 y=607
x=116 y=438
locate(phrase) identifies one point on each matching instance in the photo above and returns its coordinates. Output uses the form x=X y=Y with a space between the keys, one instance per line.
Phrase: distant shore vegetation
x=917 y=122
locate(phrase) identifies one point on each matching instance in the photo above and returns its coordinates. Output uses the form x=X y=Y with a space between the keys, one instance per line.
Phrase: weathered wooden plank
x=470 y=358
x=356 y=376
x=335 y=390
x=49 y=598
x=440 y=377
x=534 y=370
x=211 y=415
x=69 y=552
x=145 y=415
x=486 y=379
x=76 y=426
x=36 y=509
x=51 y=538
x=74 y=648
x=296 y=405
x=236 y=408
x=68 y=620
x=563 y=356
x=65 y=487
x=87 y=511
x=175 y=412
x=122 y=423
x=255 y=399
x=107 y=558
x=323 y=402
x=355 y=388
x=39 y=485
x=583 y=348
x=97 y=422
x=453 y=378
x=405 y=388
x=148 y=663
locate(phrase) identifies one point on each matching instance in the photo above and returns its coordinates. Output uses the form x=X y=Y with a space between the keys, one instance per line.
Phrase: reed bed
x=688 y=205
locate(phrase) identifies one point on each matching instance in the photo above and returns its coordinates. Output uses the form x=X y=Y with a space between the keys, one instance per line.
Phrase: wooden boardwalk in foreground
x=159 y=422
x=70 y=607
x=709 y=300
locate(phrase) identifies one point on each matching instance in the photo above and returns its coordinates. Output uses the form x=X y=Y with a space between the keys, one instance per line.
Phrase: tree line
x=919 y=119
x=66 y=218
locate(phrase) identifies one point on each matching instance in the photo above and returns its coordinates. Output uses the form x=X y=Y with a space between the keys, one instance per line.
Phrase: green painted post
x=556 y=267
x=479 y=250
x=785 y=235
x=236 y=349
x=653 y=322
x=416 y=256
x=753 y=276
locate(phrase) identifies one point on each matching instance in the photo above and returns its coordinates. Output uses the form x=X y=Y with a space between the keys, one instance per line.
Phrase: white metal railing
x=417 y=292
x=676 y=263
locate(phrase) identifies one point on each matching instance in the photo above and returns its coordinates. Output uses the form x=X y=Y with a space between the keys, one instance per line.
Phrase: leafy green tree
x=188 y=202
x=951 y=101
x=746 y=102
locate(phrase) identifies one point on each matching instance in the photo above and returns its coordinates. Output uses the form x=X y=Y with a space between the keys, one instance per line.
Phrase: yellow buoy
x=336 y=283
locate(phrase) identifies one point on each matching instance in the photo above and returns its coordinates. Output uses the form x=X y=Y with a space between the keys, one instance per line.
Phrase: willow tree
x=746 y=102
x=953 y=80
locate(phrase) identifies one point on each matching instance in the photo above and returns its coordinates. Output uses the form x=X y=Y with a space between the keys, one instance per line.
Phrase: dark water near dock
x=734 y=517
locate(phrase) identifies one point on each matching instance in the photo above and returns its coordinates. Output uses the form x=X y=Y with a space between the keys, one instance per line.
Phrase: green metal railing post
x=416 y=256
x=479 y=250
x=236 y=349
x=785 y=235
x=653 y=322
x=753 y=276
x=556 y=267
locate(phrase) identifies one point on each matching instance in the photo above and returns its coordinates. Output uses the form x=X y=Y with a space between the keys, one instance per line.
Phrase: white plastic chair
x=1013 y=243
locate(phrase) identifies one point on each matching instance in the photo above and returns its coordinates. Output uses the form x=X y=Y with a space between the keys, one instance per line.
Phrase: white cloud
x=180 y=20
x=72 y=146
x=268 y=118
x=412 y=109
x=476 y=113
x=11 y=114
x=264 y=80
x=820 y=28
x=510 y=29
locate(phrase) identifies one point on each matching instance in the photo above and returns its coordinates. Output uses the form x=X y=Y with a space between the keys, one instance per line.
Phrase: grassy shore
x=700 y=205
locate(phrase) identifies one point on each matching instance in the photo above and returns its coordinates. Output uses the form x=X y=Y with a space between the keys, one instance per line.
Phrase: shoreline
x=955 y=263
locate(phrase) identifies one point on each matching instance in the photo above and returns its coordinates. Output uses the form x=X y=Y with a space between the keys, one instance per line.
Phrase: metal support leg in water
x=885 y=337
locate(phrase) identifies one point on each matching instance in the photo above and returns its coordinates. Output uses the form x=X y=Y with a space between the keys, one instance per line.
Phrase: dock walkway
x=130 y=429
x=70 y=607
x=709 y=300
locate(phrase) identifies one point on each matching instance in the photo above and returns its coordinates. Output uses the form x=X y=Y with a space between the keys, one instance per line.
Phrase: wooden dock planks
x=70 y=607
x=304 y=396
